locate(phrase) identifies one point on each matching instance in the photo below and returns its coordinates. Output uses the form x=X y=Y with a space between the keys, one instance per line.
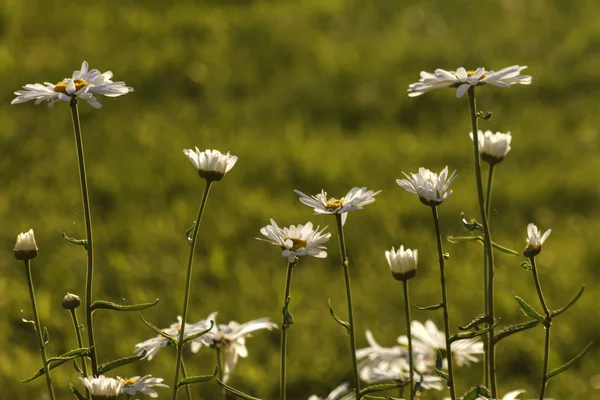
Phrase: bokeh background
x=310 y=95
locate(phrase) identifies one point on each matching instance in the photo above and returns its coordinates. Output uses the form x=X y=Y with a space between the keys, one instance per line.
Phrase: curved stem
x=547 y=325
x=188 y=389
x=409 y=335
x=88 y=233
x=338 y=218
x=38 y=329
x=284 y=328
x=220 y=368
x=188 y=284
x=444 y=302
x=488 y=200
x=79 y=346
x=487 y=243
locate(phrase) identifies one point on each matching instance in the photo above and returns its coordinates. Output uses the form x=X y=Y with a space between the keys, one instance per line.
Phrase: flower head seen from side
x=144 y=385
x=212 y=165
x=342 y=392
x=83 y=84
x=355 y=199
x=231 y=338
x=403 y=263
x=493 y=147
x=462 y=80
x=102 y=387
x=297 y=240
x=431 y=188
x=535 y=239
x=26 y=247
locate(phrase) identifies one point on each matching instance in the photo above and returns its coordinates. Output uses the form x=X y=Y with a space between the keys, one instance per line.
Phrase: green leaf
x=565 y=308
x=381 y=398
x=170 y=338
x=77 y=242
x=528 y=310
x=46 y=336
x=107 y=305
x=476 y=393
x=198 y=334
x=442 y=375
x=505 y=250
x=197 y=379
x=120 y=362
x=458 y=239
x=381 y=387
x=188 y=232
x=236 y=392
x=76 y=367
x=470 y=335
x=430 y=308
x=76 y=393
x=568 y=365
x=340 y=321
x=478 y=320
x=509 y=330
x=54 y=362
x=288 y=319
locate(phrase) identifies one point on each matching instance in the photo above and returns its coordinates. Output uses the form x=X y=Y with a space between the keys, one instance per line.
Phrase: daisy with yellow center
x=144 y=385
x=297 y=240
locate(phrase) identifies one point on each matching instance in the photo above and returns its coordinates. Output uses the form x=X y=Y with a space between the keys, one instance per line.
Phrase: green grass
x=309 y=94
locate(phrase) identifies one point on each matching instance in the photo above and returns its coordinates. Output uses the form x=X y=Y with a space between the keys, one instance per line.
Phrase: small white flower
x=403 y=263
x=431 y=188
x=142 y=384
x=355 y=199
x=535 y=239
x=463 y=79
x=342 y=392
x=153 y=345
x=83 y=84
x=102 y=387
x=26 y=248
x=212 y=165
x=297 y=240
x=493 y=146
x=398 y=370
x=232 y=338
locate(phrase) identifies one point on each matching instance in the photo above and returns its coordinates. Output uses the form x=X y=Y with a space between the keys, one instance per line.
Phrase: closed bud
x=403 y=263
x=26 y=248
x=71 y=301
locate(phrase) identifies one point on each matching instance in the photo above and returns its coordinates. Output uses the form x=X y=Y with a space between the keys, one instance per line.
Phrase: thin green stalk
x=444 y=302
x=88 y=233
x=485 y=338
x=409 y=335
x=38 y=329
x=188 y=284
x=79 y=346
x=220 y=368
x=487 y=243
x=547 y=326
x=188 y=389
x=284 y=327
x=344 y=258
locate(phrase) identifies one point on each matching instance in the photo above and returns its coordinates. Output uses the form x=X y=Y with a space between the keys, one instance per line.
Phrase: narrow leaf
x=76 y=367
x=46 y=336
x=381 y=387
x=478 y=320
x=54 y=362
x=170 y=338
x=568 y=365
x=528 y=310
x=476 y=393
x=198 y=334
x=458 y=239
x=509 y=330
x=188 y=233
x=197 y=379
x=565 y=308
x=470 y=335
x=236 y=392
x=505 y=250
x=107 y=305
x=288 y=319
x=77 y=242
x=120 y=362
x=340 y=321
x=442 y=374
x=76 y=393
x=430 y=308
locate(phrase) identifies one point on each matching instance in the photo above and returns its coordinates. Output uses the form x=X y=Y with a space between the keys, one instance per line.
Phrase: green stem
x=220 y=368
x=547 y=325
x=487 y=244
x=188 y=389
x=79 y=346
x=409 y=335
x=284 y=327
x=38 y=329
x=88 y=233
x=344 y=258
x=188 y=284
x=444 y=302
x=488 y=199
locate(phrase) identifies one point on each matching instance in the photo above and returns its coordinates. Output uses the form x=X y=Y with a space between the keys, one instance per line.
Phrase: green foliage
x=310 y=95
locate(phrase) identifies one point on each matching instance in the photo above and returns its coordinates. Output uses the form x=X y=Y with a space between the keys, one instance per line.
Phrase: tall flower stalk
x=286 y=321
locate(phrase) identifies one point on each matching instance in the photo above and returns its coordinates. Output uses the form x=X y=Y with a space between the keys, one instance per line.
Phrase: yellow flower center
x=297 y=243
x=129 y=382
x=334 y=204
x=61 y=87
x=471 y=73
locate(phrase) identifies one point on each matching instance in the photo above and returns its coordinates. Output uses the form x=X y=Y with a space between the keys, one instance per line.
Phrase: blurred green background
x=309 y=94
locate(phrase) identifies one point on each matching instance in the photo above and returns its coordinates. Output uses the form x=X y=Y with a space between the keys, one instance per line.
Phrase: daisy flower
x=534 y=240
x=355 y=199
x=102 y=387
x=25 y=247
x=142 y=384
x=403 y=263
x=493 y=146
x=431 y=188
x=83 y=84
x=398 y=370
x=297 y=240
x=232 y=339
x=212 y=165
x=342 y=392
x=462 y=80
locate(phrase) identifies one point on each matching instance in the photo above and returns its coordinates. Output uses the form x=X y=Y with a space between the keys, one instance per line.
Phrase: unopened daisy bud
x=71 y=301
x=493 y=146
x=535 y=239
x=403 y=263
x=102 y=387
x=26 y=248
x=212 y=165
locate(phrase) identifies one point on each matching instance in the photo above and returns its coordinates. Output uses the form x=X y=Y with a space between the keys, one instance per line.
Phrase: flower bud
x=71 y=301
x=26 y=248
x=534 y=240
x=403 y=263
